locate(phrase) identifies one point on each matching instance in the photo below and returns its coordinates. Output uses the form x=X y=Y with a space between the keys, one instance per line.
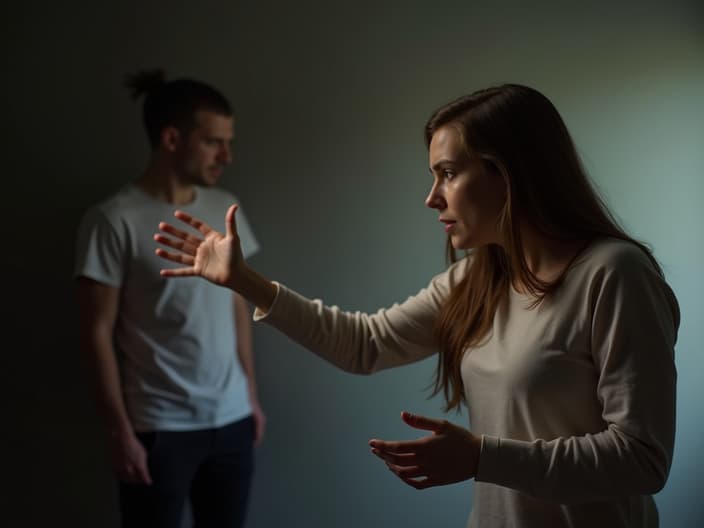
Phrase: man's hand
x=259 y=422
x=129 y=459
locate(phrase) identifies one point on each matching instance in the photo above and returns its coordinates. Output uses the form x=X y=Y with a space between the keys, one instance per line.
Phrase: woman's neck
x=548 y=258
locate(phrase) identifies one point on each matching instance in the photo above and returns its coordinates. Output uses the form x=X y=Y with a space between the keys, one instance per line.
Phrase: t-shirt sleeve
x=635 y=318
x=248 y=242
x=99 y=253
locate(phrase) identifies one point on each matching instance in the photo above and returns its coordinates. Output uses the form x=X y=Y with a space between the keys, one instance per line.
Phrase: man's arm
x=243 y=322
x=98 y=307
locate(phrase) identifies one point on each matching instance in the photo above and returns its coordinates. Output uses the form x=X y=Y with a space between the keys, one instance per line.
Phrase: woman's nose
x=434 y=200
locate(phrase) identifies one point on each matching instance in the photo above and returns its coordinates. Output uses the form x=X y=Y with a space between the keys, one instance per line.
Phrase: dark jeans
x=211 y=466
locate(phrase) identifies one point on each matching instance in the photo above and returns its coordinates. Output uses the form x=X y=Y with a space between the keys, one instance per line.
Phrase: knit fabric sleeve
x=358 y=342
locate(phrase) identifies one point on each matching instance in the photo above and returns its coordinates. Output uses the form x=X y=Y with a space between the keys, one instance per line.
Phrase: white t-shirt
x=175 y=338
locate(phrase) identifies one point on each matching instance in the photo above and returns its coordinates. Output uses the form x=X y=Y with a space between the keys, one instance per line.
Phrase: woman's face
x=468 y=196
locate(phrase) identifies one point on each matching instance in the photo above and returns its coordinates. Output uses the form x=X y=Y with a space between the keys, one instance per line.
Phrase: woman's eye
x=448 y=174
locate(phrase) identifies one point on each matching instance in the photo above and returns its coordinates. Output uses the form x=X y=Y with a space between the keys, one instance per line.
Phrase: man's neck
x=164 y=184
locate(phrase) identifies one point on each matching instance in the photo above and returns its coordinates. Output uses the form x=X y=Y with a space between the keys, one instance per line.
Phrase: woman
x=555 y=329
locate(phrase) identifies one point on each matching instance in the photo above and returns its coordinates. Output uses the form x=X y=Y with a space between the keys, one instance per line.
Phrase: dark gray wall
x=330 y=100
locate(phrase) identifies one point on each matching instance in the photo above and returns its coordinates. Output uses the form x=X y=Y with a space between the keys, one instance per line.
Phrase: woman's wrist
x=258 y=290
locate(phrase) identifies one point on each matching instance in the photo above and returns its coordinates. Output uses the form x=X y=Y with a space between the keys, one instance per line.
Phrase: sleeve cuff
x=488 y=459
x=261 y=314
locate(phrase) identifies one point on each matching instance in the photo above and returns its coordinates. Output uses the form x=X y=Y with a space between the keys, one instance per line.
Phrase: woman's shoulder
x=612 y=268
x=609 y=254
x=443 y=282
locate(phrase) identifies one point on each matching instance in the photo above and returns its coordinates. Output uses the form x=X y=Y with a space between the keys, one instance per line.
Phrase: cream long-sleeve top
x=574 y=399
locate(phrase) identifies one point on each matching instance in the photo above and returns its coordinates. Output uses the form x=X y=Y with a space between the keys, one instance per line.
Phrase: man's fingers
x=127 y=474
x=143 y=474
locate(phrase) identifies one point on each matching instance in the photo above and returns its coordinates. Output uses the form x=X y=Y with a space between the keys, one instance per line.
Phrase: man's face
x=206 y=151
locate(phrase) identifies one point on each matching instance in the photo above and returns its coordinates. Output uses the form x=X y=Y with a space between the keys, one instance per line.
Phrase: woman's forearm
x=258 y=290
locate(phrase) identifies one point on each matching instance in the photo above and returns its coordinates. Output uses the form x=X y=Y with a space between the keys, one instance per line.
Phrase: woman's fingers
x=183 y=246
x=194 y=222
x=231 y=221
x=178 y=272
x=405 y=459
x=449 y=454
x=421 y=484
x=415 y=476
x=410 y=446
x=179 y=258
x=178 y=233
x=423 y=422
x=407 y=472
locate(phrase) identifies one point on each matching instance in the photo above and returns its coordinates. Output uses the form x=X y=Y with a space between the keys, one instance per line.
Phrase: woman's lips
x=449 y=224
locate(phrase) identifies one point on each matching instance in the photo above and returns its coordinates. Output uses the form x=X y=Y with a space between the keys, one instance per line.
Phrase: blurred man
x=171 y=361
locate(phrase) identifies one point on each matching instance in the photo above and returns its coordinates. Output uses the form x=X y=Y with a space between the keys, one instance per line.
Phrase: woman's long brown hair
x=523 y=139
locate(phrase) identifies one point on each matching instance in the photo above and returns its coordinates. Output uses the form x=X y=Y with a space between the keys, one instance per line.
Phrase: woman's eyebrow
x=440 y=163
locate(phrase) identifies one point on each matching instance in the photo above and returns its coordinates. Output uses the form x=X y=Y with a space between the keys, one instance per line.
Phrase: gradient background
x=330 y=101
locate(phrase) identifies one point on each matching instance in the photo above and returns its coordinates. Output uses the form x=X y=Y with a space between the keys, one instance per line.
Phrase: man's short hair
x=173 y=103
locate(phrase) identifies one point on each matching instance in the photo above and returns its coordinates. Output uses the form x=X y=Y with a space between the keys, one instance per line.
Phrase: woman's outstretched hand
x=215 y=257
x=449 y=455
